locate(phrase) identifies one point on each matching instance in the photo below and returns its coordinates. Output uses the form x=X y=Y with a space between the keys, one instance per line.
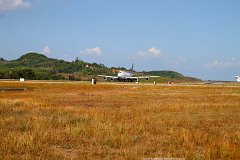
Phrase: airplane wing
x=147 y=77
x=136 y=78
x=131 y=77
x=153 y=76
x=108 y=77
x=144 y=77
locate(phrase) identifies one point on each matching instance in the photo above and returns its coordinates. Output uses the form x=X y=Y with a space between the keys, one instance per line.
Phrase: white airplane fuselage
x=124 y=75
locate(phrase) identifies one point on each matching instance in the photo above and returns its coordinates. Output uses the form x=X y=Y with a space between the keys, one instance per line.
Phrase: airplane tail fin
x=131 y=71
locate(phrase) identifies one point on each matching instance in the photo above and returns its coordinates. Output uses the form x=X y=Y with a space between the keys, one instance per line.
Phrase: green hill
x=43 y=67
x=35 y=60
x=168 y=74
x=37 y=66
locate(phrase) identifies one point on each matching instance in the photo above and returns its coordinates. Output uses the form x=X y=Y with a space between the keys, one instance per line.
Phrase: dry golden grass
x=81 y=121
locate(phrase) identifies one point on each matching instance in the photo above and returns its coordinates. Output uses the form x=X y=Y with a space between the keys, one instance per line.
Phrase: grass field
x=106 y=121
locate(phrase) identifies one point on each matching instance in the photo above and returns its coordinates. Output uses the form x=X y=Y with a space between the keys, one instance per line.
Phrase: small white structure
x=21 y=79
x=94 y=81
x=237 y=78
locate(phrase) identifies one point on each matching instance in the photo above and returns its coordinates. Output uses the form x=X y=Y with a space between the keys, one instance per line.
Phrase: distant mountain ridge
x=37 y=66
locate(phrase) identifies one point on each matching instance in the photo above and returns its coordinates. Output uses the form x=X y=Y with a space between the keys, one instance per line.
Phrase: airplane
x=237 y=78
x=125 y=76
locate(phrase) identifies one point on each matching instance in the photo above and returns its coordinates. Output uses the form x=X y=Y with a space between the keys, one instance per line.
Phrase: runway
x=215 y=84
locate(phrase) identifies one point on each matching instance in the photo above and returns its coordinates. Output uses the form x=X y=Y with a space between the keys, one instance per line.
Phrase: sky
x=198 y=38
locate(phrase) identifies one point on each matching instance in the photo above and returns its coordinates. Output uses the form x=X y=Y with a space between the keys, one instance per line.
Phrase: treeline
x=36 y=66
x=29 y=74
x=53 y=66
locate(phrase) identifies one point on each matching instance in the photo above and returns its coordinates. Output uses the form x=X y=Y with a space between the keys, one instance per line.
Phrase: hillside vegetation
x=37 y=66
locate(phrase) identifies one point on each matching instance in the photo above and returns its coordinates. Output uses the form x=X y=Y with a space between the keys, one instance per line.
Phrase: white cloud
x=223 y=64
x=6 y=5
x=96 y=51
x=154 y=51
x=46 y=50
x=150 y=52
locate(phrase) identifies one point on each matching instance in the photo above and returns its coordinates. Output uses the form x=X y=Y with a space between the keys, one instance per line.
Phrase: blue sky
x=196 y=38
